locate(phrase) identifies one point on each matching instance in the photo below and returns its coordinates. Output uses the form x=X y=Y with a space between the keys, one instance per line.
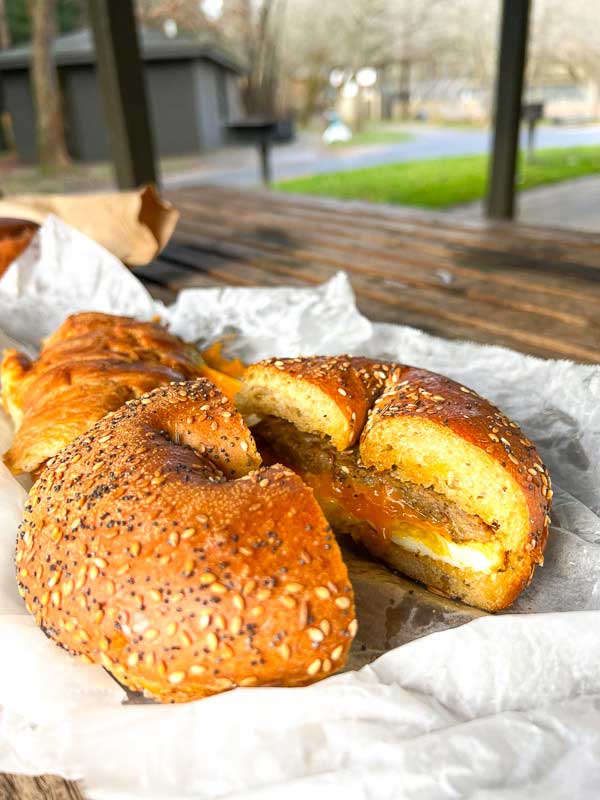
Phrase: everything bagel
x=154 y=545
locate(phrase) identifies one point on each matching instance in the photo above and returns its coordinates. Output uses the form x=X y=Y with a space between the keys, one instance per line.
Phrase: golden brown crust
x=89 y=366
x=351 y=383
x=450 y=416
x=412 y=392
x=152 y=546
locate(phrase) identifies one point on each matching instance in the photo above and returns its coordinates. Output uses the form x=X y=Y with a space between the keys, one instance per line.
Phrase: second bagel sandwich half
x=425 y=473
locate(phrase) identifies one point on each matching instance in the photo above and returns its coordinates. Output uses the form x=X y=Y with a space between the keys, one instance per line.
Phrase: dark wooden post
x=509 y=88
x=121 y=78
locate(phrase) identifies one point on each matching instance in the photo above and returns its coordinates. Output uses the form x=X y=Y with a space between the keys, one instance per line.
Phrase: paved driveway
x=237 y=166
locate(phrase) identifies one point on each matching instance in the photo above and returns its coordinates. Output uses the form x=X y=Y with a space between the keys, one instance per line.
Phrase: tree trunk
x=4 y=31
x=405 y=68
x=52 y=150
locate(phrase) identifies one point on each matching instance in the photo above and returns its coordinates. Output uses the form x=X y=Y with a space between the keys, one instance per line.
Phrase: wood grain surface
x=532 y=289
x=45 y=787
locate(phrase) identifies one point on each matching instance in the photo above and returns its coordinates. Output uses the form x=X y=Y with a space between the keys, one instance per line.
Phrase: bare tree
x=187 y=14
x=52 y=150
x=256 y=30
x=4 y=30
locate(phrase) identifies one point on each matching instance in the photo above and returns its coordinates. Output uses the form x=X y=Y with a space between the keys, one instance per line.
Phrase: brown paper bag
x=135 y=226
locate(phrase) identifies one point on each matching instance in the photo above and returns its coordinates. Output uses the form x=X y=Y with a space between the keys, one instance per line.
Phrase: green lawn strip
x=443 y=182
x=375 y=136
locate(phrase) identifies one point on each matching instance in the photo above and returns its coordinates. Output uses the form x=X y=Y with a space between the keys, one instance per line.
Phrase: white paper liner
x=501 y=707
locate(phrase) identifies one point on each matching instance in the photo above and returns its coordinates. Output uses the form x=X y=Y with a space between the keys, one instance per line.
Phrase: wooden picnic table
x=533 y=289
x=536 y=290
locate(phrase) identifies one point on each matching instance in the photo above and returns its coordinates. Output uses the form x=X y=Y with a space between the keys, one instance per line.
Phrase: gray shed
x=193 y=89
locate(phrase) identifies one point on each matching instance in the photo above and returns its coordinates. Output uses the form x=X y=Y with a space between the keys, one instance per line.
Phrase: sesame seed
x=327 y=665
x=132 y=660
x=176 y=677
x=109 y=587
x=218 y=588
x=207 y=578
x=353 y=627
x=325 y=626
x=257 y=611
x=219 y=622
x=315 y=634
x=101 y=563
x=151 y=634
x=188 y=533
x=235 y=625
x=197 y=669
x=284 y=651
x=135 y=548
x=293 y=588
x=171 y=629
x=288 y=601
x=314 y=667
x=238 y=600
x=173 y=539
x=337 y=652
x=54 y=579
x=55 y=534
x=322 y=592
x=203 y=620
x=342 y=602
x=188 y=567
x=211 y=641
x=251 y=680
x=185 y=639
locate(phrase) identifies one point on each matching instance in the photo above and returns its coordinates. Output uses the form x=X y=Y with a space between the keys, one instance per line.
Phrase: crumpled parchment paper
x=504 y=706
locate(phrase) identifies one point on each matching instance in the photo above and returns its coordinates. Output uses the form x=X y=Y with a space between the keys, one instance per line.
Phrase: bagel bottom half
x=155 y=546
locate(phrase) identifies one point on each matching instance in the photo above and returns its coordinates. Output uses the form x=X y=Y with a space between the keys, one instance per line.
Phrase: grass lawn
x=443 y=182
x=376 y=134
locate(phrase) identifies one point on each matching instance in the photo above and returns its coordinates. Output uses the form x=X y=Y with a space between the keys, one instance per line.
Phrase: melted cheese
x=391 y=520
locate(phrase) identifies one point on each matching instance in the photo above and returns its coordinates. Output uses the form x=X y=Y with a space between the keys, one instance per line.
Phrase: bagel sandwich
x=426 y=474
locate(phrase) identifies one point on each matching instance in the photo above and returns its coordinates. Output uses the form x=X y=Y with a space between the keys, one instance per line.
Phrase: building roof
x=78 y=48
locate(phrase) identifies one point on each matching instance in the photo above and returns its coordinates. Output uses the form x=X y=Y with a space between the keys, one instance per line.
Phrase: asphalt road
x=239 y=166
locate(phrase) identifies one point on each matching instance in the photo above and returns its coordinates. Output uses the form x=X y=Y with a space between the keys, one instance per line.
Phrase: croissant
x=92 y=364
